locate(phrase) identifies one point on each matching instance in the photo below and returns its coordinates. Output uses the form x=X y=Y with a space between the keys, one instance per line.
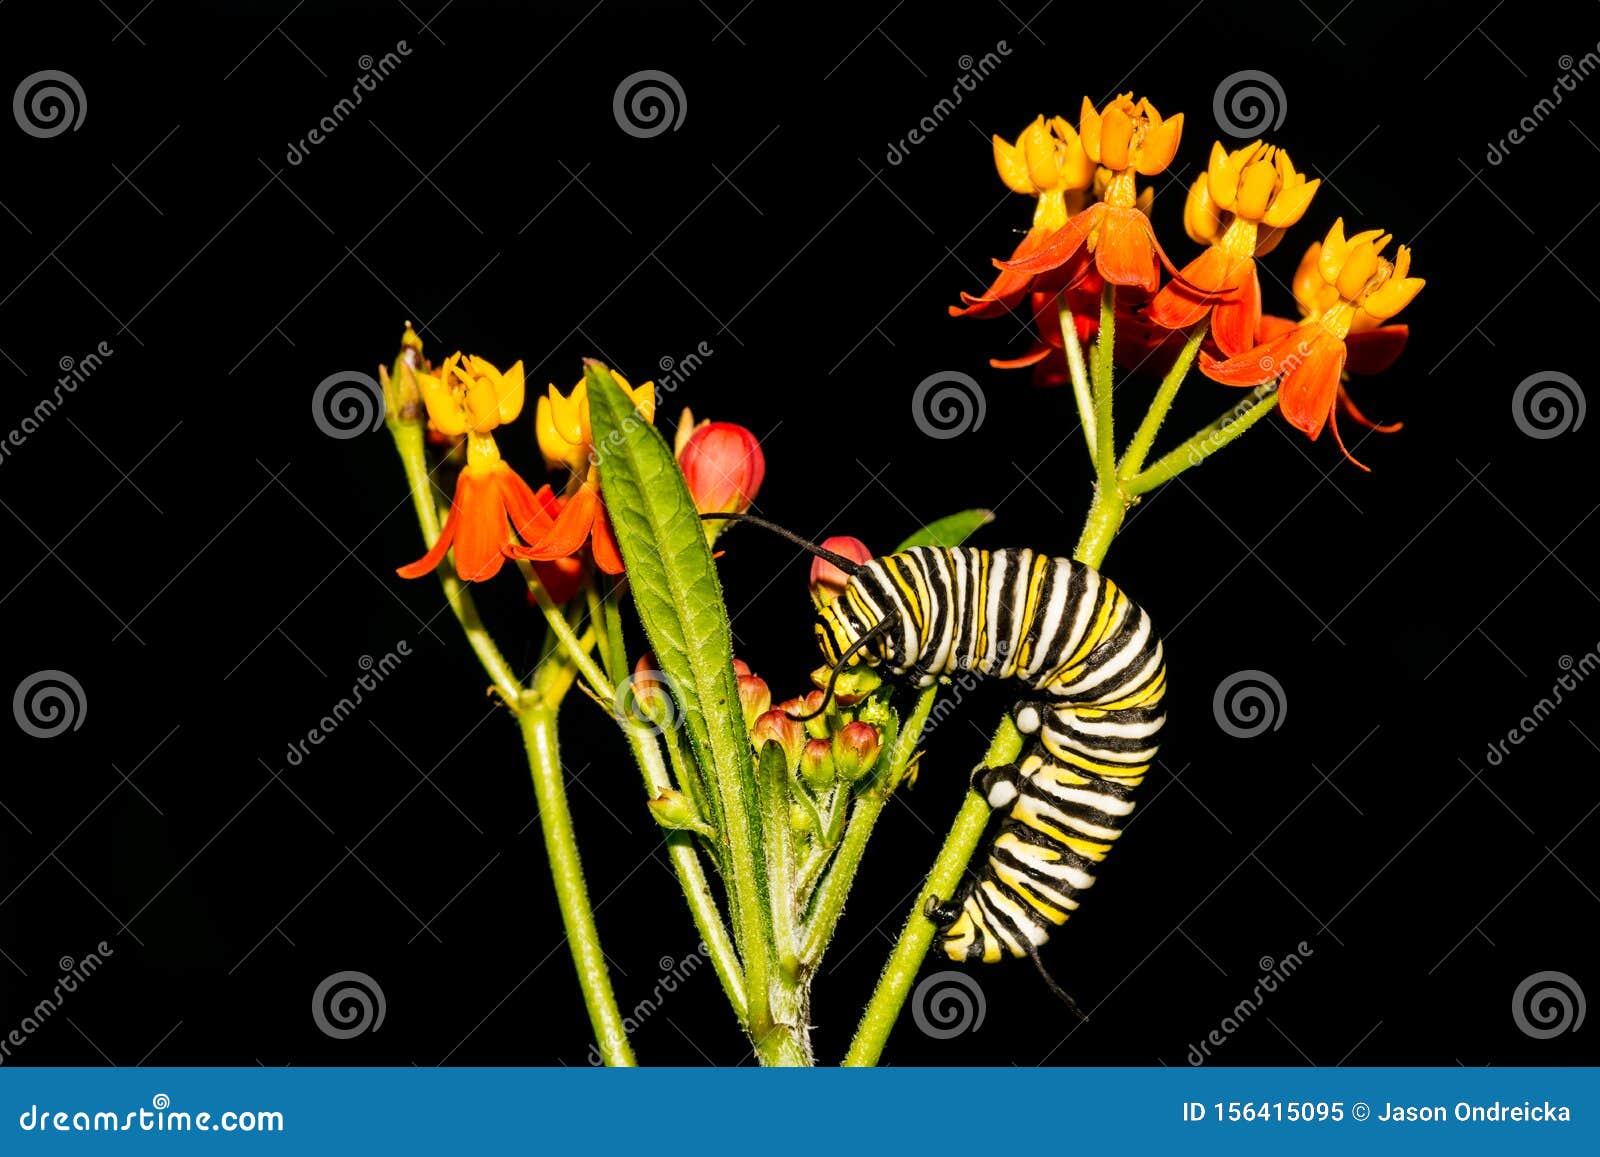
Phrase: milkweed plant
x=767 y=807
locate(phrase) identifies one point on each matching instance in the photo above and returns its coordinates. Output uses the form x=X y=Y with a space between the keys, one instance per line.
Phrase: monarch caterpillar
x=1092 y=666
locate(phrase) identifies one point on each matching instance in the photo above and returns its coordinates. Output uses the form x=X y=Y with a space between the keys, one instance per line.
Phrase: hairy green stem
x=538 y=721
x=1081 y=391
x=830 y=898
x=1105 y=450
x=917 y=936
x=1206 y=442
x=1144 y=437
x=535 y=709
x=692 y=876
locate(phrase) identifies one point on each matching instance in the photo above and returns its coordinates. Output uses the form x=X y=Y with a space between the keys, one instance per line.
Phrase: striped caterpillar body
x=1092 y=666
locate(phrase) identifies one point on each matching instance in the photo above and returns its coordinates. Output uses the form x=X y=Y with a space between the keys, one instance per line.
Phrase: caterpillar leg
x=997 y=785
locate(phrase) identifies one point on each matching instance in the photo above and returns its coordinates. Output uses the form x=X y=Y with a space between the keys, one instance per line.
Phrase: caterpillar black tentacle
x=1093 y=667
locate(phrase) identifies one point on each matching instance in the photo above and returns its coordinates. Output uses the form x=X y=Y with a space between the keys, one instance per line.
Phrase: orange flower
x=1238 y=208
x=470 y=399
x=1345 y=289
x=1125 y=140
x=566 y=439
x=1048 y=162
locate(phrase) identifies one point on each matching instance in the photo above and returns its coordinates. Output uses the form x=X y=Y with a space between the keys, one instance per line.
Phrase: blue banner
x=673 y=1111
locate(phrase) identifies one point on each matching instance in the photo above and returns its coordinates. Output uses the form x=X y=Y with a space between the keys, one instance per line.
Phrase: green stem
x=916 y=938
x=538 y=721
x=1105 y=453
x=536 y=715
x=1081 y=391
x=1101 y=524
x=1208 y=441
x=692 y=877
x=409 y=442
x=830 y=898
x=570 y=643
x=1143 y=438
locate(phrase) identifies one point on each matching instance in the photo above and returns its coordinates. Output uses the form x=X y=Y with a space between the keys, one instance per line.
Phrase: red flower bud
x=827 y=580
x=724 y=466
x=755 y=699
x=740 y=667
x=777 y=727
x=855 y=750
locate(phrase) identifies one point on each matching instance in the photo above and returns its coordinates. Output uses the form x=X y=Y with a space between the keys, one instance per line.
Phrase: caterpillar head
x=844 y=623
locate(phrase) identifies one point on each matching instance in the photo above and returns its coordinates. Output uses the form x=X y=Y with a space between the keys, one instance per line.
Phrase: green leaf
x=679 y=600
x=951 y=530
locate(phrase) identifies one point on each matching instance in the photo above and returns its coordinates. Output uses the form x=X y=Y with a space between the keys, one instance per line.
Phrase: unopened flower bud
x=674 y=811
x=827 y=580
x=402 y=396
x=853 y=685
x=740 y=667
x=724 y=467
x=755 y=699
x=855 y=751
x=799 y=818
x=777 y=727
x=806 y=705
x=816 y=764
x=648 y=692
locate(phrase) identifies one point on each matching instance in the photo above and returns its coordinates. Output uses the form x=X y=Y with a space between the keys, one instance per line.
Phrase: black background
x=184 y=541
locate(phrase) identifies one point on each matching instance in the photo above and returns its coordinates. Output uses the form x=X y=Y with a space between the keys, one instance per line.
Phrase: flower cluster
x=562 y=532
x=1092 y=247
